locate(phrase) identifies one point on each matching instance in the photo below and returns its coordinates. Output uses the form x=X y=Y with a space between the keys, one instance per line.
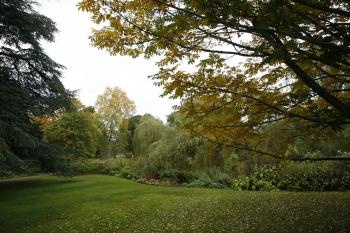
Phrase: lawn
x=109 y=204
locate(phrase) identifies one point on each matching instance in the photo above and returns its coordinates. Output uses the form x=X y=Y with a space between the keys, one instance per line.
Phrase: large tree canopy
x=77 y=133
x=255 y=62
x=29 y=83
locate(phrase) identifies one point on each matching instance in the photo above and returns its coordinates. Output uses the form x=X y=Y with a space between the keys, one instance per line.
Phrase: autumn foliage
x=238 y=65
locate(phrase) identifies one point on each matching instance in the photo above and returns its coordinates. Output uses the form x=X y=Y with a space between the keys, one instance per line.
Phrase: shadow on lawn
x=29 y=182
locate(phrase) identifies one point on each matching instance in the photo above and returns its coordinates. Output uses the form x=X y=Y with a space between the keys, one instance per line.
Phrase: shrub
x=87 y=166
x=205 y=184
x=95 y=166
x=127 y=174
x=212 y=178
x=178 y=176
x=241 y=184
x=144 y=167
x=315 y=176
x=263 y=179
x=263 y=185
x=116 y=165
x=217 y=176
x=298 y=176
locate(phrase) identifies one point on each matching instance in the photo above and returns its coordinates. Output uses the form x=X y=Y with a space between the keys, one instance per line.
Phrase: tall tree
x=77 y=133
x=293 y=59
x=29 y=84
x=113 y=107
x=133 y=122
x=148 y=131
x=171 y=151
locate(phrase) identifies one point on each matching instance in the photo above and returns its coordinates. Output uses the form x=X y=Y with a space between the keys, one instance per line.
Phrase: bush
x=116 y=165
x=205 y=184
x=178 y=176
x=217 y=176
x=263 y=179
x=95 y=166
x=143 y=167
x=263 y=185
x=298 y=176
x=127 y=174
x=212 y=178
x=315 y=176
x=86 y=166
x=241 y=184
x=201 y=184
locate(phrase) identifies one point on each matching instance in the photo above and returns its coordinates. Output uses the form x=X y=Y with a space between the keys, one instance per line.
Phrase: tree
x=29 y=85
x=76 y=133
x=171 y=150
x=289 y=139
x=147 y=132
x=133 y=122
x=124 y=137
x=293 y=60
x=113 y=107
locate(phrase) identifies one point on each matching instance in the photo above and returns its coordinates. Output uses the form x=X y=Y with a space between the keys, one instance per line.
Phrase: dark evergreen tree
x=29 y=85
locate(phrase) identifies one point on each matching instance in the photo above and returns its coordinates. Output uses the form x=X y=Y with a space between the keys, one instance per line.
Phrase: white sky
x=91 y=70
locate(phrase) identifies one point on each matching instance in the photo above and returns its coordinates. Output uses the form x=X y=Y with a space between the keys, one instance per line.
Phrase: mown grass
x=110 y=204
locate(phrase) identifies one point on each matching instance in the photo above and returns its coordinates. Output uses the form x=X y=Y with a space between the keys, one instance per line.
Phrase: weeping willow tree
x=147 y=132
x=174 y=150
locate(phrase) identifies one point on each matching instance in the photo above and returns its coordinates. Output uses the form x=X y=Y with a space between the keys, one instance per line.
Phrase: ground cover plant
x=97 y=203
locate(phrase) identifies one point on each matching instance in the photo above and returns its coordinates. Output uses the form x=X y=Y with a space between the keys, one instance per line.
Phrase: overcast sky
x=91 y=70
